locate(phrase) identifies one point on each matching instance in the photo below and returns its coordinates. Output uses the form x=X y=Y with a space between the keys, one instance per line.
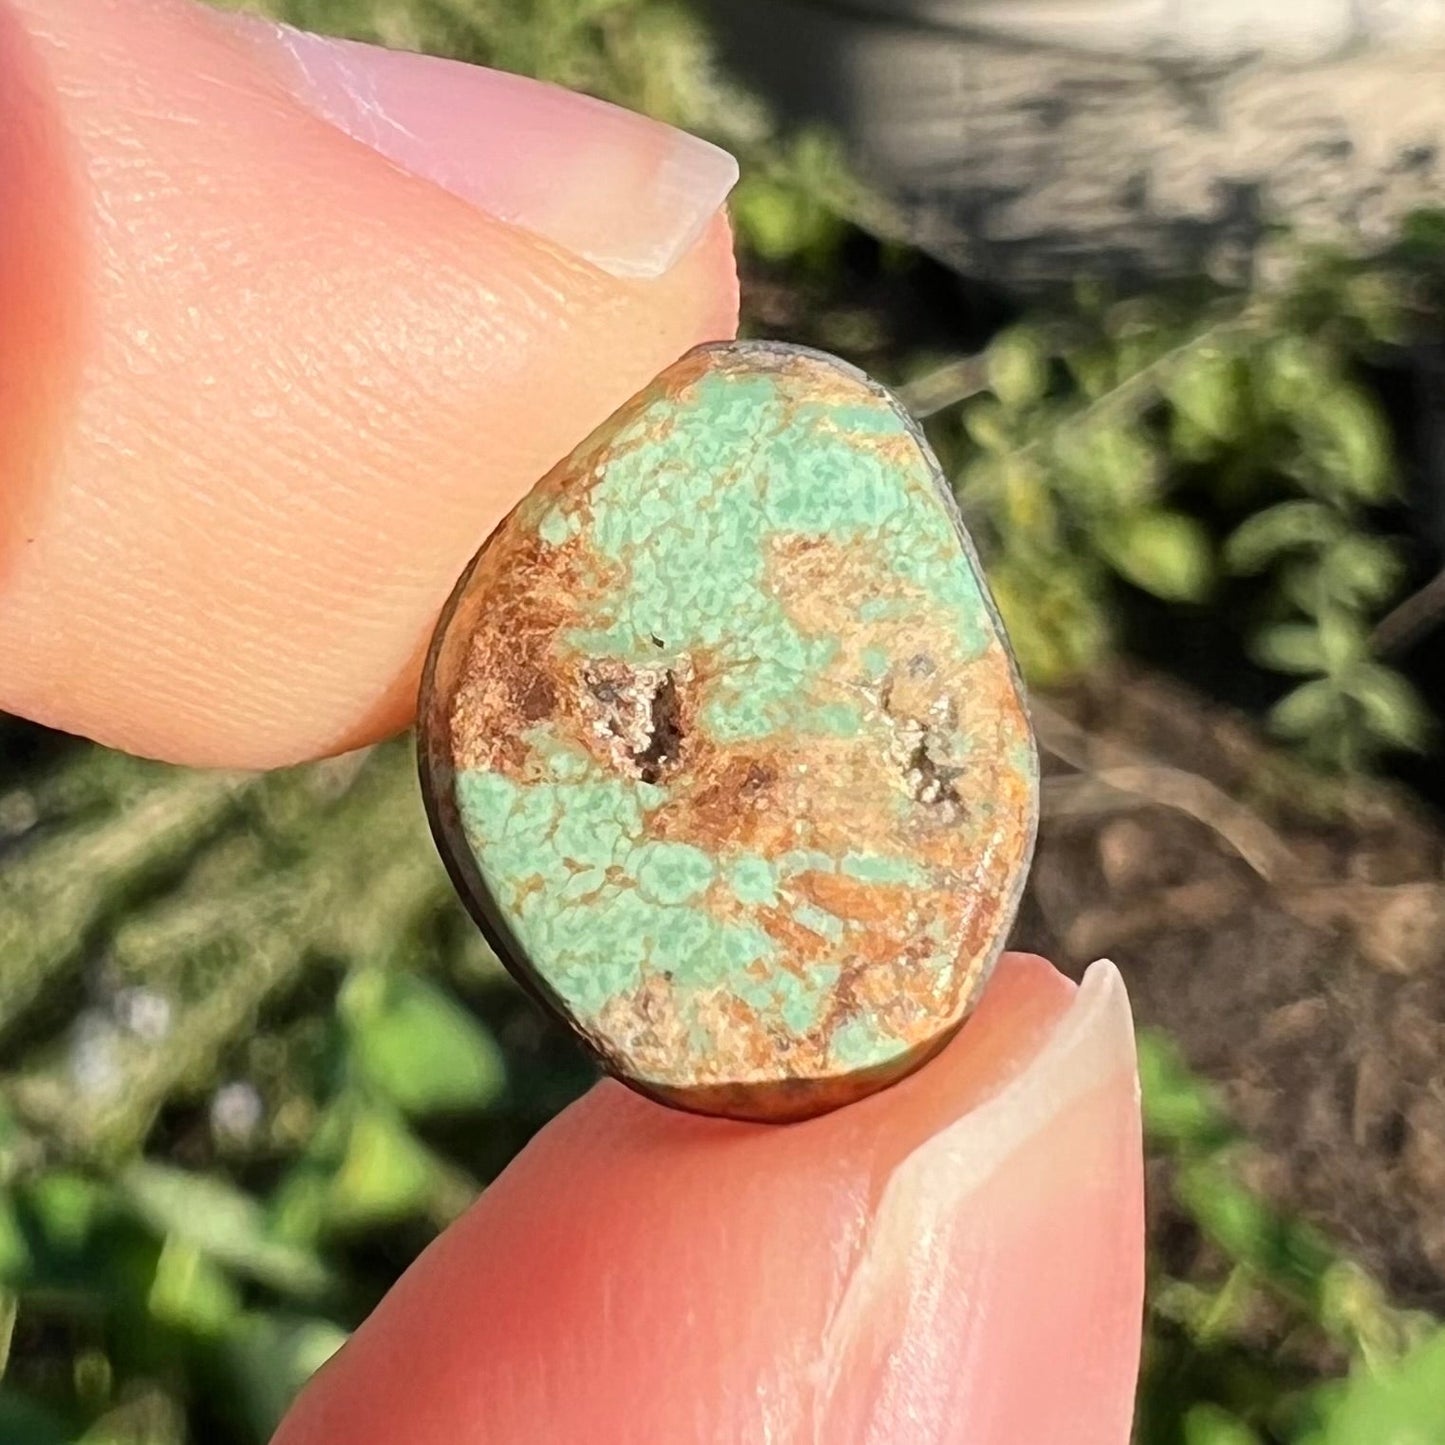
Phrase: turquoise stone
x=724 y=745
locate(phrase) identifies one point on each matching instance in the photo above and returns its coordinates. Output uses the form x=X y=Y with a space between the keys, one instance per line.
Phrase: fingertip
x=1009 y=1239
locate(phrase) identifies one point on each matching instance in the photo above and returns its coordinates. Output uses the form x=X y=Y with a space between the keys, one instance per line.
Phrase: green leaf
x=68 y=1207
x=1307 y=710
x=296 y=1212
x=1393 y=709
x=189 y=1292
x=1361 y=571
x=1291 y=372
x=419 y=1047
x=1376 y=300
x=780 y=221
x=1165 y=553
x=1343 y=642
x=1290 y=1255
x=1289 y=647
x=270 y=1356
x=987 y=425
x=1302 y=583
x=1355 y=1309
x=386 y=1174
x=1399 y=1404
x=15 y=1261
x=1179 y=1109
x=1017 y=366
x=1056 y=618
x=1108 y=467
x=1423 y=233
x=1209 y=1425
x=1026 y=512
x=224 y=1224
x=1257 y=541
x=149 y=1415
x=1348 y=438
x=1094 y=370
x=1208 y=388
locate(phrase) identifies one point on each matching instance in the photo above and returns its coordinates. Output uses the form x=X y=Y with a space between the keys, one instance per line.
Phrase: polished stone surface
x=724 y=746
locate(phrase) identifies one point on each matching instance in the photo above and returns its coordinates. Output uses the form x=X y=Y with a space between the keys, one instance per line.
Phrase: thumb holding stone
x=291 y=323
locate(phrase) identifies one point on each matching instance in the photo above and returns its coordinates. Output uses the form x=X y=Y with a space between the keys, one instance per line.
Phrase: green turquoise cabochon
x=724 y=746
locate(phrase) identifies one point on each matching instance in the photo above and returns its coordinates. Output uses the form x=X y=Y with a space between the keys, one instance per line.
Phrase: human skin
x=287 y=331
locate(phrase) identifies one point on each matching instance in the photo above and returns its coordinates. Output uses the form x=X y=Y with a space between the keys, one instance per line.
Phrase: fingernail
x=1091 y=1047
x=622 y=191
x=1006 y=1249
x=1062 y=1135
x=1092 y=1044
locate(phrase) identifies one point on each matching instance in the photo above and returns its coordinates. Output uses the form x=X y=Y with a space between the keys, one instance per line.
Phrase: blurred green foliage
x=1206 y=1380
x=294 y=1063
x=252 y=1057
x=1207 y=450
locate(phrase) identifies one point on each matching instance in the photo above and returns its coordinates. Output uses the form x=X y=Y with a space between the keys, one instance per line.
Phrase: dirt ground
x=1289 y=933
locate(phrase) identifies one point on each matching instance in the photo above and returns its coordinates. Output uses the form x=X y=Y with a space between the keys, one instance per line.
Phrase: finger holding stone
x=289 y=328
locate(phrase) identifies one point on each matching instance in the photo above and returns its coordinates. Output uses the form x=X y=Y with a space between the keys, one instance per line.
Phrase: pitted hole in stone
x=930 y=779
x=920 y=744
x=666 y=731
x=636 y=715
